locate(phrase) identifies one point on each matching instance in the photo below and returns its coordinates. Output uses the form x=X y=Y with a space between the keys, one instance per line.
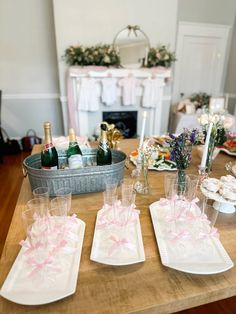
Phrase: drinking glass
x=169 y=181
x=111 y=187
x=192 y=186
x=57 y=217
x=65 y=192
x=37 y=234
x=109 y=198
x=39 y=205
x=41 y=192
x=59 y=206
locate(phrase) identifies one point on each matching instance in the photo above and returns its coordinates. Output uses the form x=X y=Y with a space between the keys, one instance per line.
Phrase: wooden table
x=147 y=287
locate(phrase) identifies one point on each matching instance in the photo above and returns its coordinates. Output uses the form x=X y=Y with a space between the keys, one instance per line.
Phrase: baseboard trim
x=30 y=96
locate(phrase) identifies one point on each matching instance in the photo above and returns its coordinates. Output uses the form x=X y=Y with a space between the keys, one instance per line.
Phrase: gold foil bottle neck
x=72 y=136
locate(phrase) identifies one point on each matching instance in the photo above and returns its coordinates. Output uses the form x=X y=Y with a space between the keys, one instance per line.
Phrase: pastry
x=211 y=184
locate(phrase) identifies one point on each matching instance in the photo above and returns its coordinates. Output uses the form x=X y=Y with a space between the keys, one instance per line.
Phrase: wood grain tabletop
x=147 y=287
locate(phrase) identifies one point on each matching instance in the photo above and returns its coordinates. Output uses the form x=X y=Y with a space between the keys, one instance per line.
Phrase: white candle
x=205 y=151
x=142 y=130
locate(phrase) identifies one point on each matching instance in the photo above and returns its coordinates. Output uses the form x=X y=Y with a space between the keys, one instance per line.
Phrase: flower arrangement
x=99 y=55
x=181 y=150
x=200 y=100
x=160 y=56
x=218 y=133
x=181 y=147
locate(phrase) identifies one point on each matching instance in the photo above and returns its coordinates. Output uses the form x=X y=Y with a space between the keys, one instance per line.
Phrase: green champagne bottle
x=74 y=153
x=49 y=157
x=104 y=151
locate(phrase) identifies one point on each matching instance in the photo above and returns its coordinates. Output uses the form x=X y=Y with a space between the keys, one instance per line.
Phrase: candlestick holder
x=202 y=173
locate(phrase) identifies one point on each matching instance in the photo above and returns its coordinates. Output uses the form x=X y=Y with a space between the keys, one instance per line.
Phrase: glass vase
x=141 y=185
x=182 y=180
x=209 y=160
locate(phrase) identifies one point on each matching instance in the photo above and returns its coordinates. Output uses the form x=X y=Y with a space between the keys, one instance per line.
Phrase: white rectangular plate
x=121 y=255
x=202 y=260
x=22 y=289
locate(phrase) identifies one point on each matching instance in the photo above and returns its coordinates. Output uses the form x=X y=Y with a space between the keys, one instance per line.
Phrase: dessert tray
x=229 y=147
x=228 y=152
x=193 y=247
x=117 y=238
x=29 y=284
x=222 y=191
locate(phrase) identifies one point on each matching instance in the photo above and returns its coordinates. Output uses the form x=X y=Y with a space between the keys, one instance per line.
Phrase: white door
x=201 y=59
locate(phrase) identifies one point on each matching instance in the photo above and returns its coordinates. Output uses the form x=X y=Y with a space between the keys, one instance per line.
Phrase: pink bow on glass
x=212 y=233
x=30 y=247
x=119 y=243
x=183 y=235
x=40 y=266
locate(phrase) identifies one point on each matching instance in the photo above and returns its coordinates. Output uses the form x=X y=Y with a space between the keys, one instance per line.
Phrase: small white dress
x=151 y=93
x=109 y=91
x=88 y=94
x=129 y=90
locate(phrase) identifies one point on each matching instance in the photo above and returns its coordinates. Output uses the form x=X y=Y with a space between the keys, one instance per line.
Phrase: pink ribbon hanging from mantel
x=72 y=121
x=119 y=243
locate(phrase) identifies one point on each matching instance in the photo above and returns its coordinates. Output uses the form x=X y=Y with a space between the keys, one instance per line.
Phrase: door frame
x=185 y=29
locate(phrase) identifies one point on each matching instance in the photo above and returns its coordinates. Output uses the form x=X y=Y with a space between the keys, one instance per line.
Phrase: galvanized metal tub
x=91 y=178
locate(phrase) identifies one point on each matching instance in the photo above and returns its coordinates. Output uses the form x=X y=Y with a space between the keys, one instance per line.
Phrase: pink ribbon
x=183 y=235
x=30 y=247
x=119 y=243
x=105 y=221
x=58 y=246
x=212 y=233
x=39 y=266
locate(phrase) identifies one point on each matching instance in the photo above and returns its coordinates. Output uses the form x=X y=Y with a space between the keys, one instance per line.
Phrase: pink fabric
x=71 y=105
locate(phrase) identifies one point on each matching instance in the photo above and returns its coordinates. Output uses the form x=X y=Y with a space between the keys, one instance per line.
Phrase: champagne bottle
x=74 y=153
x=104 y=151
x=49 y=157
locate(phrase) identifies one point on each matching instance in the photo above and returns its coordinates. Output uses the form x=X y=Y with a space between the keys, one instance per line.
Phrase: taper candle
x=205 y=151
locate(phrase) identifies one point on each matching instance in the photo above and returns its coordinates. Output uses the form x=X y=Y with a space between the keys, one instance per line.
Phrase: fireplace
x=125 y=121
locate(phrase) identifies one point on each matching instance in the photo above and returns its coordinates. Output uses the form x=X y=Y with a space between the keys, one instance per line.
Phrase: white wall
x=207 y=11
x=91 y=22
x=28 y=67
x=230 y=84
x=215 y=12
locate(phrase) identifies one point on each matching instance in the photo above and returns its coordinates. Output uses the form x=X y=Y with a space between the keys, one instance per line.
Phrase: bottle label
x=50 y=168
x=104 y=146
x=47 y=146
x=75 y=161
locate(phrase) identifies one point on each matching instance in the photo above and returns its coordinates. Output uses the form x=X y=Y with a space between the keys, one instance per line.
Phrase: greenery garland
x=106 y=55
x=100 y=55
x=160 y=56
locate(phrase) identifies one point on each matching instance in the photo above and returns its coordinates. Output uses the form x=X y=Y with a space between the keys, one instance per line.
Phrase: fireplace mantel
x=81 y=120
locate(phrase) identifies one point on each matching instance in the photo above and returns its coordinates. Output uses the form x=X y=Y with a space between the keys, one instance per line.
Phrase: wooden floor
x=11 y=178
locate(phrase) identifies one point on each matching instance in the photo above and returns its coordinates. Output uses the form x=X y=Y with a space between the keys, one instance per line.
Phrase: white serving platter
x=227 y=151
x=162 y=166
x=199 y=259
x=121 y=255
x=20 y=288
